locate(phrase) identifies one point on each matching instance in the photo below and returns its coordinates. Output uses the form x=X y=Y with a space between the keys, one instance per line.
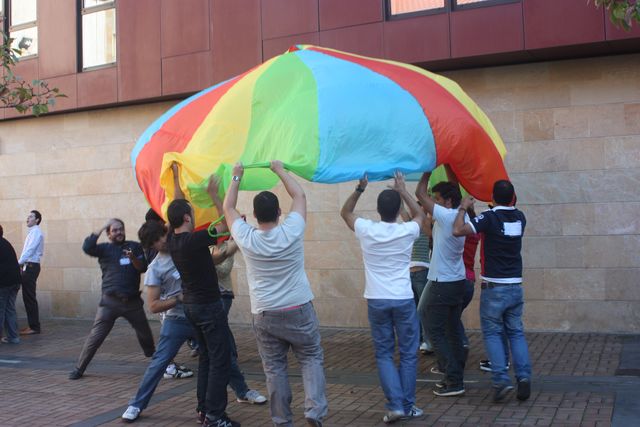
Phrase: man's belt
x=491 y=285
x=122 y=297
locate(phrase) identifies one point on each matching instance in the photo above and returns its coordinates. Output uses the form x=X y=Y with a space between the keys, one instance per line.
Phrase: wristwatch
x=235 y=178
x=359 y=189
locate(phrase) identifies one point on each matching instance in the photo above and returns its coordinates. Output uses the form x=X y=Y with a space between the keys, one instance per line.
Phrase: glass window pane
x=409 y=6
x=92 y=3
x=23 y=11
x=99 y=38
x=26 y=40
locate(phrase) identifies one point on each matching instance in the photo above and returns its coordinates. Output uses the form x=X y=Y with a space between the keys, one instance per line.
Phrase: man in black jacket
x=9 y=285
x=121 y=261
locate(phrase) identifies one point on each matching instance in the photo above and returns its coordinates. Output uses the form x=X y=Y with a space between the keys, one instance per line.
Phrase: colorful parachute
x=330 y=116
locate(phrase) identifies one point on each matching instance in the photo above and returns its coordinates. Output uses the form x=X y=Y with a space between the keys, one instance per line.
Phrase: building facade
x=559 y=81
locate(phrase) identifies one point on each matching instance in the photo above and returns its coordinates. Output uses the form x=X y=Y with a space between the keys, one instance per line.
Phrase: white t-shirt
x=386 y=251
x=446 y=257
x=275 y=263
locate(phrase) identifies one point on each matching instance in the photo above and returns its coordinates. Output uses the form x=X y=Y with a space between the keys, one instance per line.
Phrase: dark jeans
x=212 y=332
x=30 y=274
x=466 y=299
x=236 y=377
x=109 y=310
x=418 y=285
x=444 y=307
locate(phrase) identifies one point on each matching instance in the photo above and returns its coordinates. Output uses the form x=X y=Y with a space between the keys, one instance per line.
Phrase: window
x=98 y=33
x=23 y=26
x=464 y=4
x=404 y=7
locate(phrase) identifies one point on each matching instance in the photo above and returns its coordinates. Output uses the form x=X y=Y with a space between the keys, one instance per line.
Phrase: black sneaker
x=524 y=389
x=449 y=390
x=485 y=365
x=222 y=421
x=75 y=374
x=441 y=384
x=501 y=392
x=313 y=422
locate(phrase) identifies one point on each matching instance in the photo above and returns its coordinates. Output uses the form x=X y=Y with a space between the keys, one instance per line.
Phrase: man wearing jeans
x=202 y=305
x=283 y=315
x=386 y=251
x=445 y=293
x=501 y=302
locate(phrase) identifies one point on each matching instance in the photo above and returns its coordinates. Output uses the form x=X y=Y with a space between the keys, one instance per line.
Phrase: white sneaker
x=425 y=348
x=414 y=412
x=177 y=371
x=131 y=414
x=254 y=397
x=393 y=416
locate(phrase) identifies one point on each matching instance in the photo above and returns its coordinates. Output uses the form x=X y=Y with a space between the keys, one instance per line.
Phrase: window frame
x=8 y=28
x=391 y=17
x=485 y=3
x=82 y=11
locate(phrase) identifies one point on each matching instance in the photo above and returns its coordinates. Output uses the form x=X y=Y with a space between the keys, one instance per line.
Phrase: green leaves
x=18 y=94
x=622 y=13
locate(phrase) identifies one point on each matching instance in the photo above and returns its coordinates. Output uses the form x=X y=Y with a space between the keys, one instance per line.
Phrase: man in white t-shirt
x=386 y=251
x=447 y=275
x=283 y=315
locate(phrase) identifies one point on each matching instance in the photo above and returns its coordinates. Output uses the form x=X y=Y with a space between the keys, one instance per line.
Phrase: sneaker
x=6 y=340
x=393 y=416
x=222 y=421
x=75 y=374
x=441 y=384
x=524 y=389
x=425 y=348
x=501 y=392
x=485 y=365
x=194 y=353
x=436 y=370
x=254 y=397
x=449 y=391
x=414 y=412
x=177 y=371
x=313 y=422
x=131 y=414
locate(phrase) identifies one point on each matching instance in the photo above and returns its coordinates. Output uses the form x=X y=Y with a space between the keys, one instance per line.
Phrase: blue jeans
x=8 y=317
x=444 y=307
x=209 y=322
x=389 y=318
x=418 y=285
x=501 y=313
x=296 y=329
x=236 y=378
x=173 y=334
x=466 y=299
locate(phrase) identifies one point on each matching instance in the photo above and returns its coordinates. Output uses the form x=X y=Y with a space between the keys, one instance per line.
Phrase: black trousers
x=109 y=310
x=30 y=273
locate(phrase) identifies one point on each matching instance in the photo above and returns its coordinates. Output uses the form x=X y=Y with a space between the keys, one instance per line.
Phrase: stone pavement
x=575 y=382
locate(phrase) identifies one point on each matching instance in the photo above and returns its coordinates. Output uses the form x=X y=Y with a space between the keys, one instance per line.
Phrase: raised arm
x=299 y=199
x=460 y=228
x=212 y=189
x=177 y=190
x=90 y=244
x=350 y=204
x=451 y=177
x=423 y=195
x=415 y=211
x=231 y=199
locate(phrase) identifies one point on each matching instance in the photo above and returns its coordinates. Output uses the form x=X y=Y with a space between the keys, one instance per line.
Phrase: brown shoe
x=28 y=331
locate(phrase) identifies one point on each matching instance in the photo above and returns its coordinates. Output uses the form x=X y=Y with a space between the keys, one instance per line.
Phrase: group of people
x=20 y=272
x=415 y=292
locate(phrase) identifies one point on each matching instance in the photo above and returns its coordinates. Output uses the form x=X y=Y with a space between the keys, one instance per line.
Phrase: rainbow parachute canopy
x=330 y=116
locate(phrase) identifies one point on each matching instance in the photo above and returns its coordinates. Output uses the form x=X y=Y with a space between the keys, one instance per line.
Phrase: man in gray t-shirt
x=283 y=315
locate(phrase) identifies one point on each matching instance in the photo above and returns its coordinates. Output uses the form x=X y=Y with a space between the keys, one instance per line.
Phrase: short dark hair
x=389 y=205
x=150 y=232
x=266 y=207
x=112 y=221
x=448 y=191
x=38 y=216
x=176 y=212
x=151 y=215
x=1 y=231
x=503 y=192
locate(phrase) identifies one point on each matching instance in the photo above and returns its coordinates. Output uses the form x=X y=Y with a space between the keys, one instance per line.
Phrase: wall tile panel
x=98 y=87
x=139 y=63
x=185 y=26
x=362 y=39
x=274 y=47
x=288 y=17
x=421 y=39
x=487 y=30
x=68 y=86
x=340 y=13
x=562 y=23
x=57 y=38
x=186 y=73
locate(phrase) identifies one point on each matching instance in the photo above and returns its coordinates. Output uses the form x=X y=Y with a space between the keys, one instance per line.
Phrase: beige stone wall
x=572 y=130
